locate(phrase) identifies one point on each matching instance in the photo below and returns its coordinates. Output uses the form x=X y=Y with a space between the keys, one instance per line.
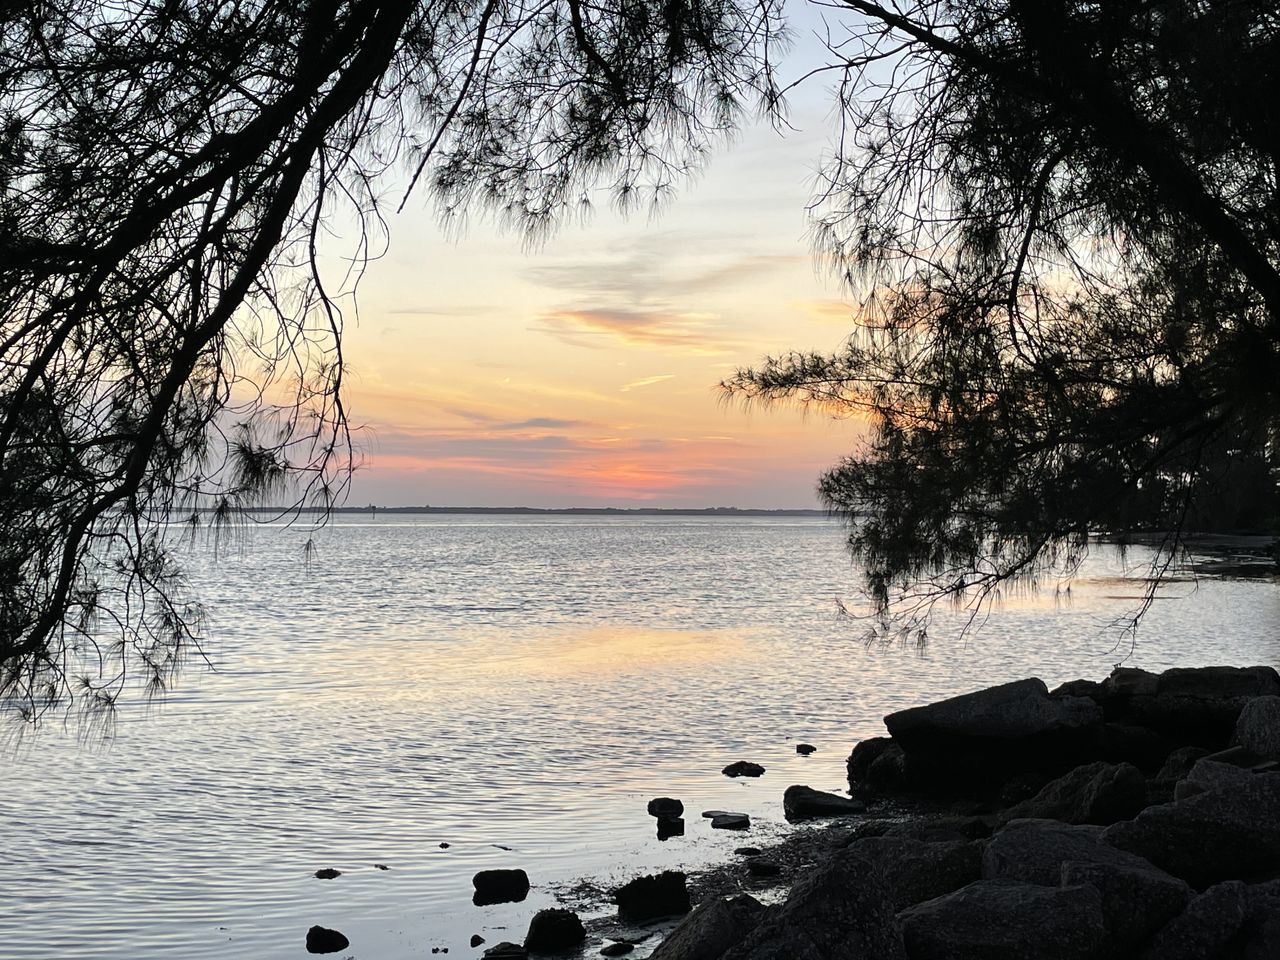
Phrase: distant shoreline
x=560 y=511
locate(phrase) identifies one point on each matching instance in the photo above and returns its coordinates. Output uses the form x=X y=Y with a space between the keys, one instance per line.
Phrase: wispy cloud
x=541 y=423
x=837 y=311
x=595 y=327
x=646 y=382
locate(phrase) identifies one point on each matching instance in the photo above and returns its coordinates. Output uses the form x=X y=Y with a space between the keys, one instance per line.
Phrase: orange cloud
x=637 y=328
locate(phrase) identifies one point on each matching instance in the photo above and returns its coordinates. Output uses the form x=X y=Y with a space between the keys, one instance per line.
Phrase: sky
x=584 y=372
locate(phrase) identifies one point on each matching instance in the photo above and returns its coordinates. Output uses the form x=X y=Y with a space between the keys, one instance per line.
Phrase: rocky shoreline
x=1136 y=817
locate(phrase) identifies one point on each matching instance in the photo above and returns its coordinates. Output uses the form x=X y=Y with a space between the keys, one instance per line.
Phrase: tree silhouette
x=169 y=169
x=1062 y=222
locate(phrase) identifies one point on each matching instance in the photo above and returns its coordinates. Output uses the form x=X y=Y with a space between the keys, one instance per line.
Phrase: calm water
x=497 y=682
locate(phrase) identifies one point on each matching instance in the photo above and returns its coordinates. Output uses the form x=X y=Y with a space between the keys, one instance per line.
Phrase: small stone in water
x=804 y=749
x=328 y=873
x=731 y=821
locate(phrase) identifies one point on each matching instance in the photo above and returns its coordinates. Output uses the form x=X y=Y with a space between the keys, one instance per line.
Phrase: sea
x=410 y=699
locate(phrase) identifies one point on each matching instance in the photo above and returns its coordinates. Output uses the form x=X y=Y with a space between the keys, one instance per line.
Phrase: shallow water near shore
x=502 y=682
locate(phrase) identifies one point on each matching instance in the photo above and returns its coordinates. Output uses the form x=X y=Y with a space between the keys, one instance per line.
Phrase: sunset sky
x=584 y=372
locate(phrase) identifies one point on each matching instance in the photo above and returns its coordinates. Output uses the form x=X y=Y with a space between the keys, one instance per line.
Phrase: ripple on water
x=498 y=682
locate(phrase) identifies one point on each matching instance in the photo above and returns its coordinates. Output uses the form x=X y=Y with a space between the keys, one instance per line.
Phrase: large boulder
x=1099 y=793
x=554 y=931
x=803 y=803
x=915 y=870
x=1208 y=929
x=840 y=910
x=715 y=927
x=1217 y=835
x=1199 y=705
x=864 y=754
x=1210 y=775
x=1002 y=730
x=1033 y=851
x=1007 y=920
x=1136 y=900
x=1258 y=727
x=655 y=895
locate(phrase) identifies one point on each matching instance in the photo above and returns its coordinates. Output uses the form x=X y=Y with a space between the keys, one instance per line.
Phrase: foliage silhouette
x=170 y=338
x=1062 y=223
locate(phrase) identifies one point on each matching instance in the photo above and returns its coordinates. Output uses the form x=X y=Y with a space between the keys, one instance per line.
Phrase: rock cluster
x=1138 y=817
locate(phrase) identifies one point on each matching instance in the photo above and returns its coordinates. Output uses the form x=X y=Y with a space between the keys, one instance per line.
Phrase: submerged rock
x=655 y=895
x=327 y=873
x=323 y=940
x=554 y=931
x=1009 y=920
x=840 y=910
x=801 y=802
x=743 y=768
x=760 y=867
x=618 y=949
x=716 y=926
x=500 y=886
x=731 y=821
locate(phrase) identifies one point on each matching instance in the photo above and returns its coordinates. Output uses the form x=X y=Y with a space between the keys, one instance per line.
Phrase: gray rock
x=323 y=940
x=500 y=886
x=1258 y=727
x=1209 y=776
x=618 y=949
x=554 y=931
x=864 y=754
x=761 y=867
x=1201 y=703
x=715 y=927
x=975 y=741
x=932 y=829
x=1136 y=901
x=1207 y=928
x=743 y=768
x=655 y=895
x=1179 y=763
x=1212 y=836
x=887 y=773
x=712 y=814
x=1009 y=711
x=661 y=807
x=915 y=871
x=1033 y=851
x=1078 y=688
x=801 y=803
x=1099 y=793
x=748 y=851
x=507 y=951
x=1007 y=920
x=838 y=911
x=731 y=821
